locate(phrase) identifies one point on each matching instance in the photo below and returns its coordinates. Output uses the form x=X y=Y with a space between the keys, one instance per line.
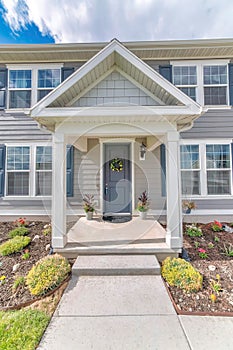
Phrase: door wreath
x=116 y=164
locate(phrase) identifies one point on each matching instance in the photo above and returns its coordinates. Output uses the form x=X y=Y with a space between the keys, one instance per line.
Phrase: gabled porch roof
x=172 y=103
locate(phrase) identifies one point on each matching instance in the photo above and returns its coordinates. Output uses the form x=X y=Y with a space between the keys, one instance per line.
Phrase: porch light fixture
x=142 y=153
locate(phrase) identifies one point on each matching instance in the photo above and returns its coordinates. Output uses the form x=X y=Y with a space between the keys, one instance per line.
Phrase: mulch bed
x=186 y=302
x=37 y=250
x=200 y=301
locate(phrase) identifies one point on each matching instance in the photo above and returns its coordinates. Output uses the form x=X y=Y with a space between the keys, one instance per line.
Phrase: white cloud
x=102 y=20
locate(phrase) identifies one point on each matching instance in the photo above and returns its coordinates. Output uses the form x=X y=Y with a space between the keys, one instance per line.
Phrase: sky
x=62 y=21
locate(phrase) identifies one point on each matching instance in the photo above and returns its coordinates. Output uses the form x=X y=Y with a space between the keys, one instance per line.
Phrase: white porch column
x=174 y=236
x=59 y=237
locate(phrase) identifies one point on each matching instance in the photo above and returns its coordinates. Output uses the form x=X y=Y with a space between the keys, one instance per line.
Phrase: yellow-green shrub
x=180 y=273
x=47 y=274
x=19 y=231
x=14 y=245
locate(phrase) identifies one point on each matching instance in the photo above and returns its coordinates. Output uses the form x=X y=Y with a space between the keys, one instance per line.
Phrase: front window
x=48 y=79
x=43 y=170
x=205 y=169
x=20 y=88
x=185 y=78
x=18 y=167
x=215 y=85
x=218 y=167
x=190 y=169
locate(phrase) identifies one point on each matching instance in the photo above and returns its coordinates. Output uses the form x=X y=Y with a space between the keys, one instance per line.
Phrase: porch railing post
x=174 y=236
x=59 y=237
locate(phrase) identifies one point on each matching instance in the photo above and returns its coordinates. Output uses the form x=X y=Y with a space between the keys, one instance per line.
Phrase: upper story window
x=215 y=85
x=20 y=83
x=205 y=82
x=48 y=79
x=185 y=78
x=29 y=84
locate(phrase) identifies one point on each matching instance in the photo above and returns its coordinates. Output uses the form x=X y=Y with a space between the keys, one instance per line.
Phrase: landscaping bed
x=36 y=250
x=208 y=255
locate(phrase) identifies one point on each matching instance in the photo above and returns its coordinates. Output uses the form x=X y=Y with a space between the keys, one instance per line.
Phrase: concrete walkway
x=128 y=312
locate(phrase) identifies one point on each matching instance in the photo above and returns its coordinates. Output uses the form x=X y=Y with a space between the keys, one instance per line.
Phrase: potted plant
x=89 y=205
x=188 y=206
x=143 y=205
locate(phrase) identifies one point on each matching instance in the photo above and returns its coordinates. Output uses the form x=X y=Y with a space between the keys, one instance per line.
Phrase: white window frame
x=193 y=169
x=203 y=168
x=200 y=78
x=42 y=170
x=32 y=172
x=186 y=86
x=34 y=80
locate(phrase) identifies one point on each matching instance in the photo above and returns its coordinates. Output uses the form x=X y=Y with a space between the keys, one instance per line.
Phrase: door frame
x=103 y=141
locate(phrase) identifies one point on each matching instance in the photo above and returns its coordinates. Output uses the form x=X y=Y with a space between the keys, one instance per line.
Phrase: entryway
x=117 y=182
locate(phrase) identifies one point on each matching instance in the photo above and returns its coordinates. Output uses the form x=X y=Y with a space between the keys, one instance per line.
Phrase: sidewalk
x=127 y=313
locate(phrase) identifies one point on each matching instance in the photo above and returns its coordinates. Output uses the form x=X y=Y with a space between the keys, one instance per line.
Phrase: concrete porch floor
x=133 y=237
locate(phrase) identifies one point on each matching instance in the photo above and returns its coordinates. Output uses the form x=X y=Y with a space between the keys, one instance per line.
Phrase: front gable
x=115 y=83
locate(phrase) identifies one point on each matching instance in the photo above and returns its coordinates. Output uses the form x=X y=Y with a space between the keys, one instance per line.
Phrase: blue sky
x=30 y=34
x=60 y=21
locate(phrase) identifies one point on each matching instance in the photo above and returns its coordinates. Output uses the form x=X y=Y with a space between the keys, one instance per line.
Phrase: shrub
x=180 y=273
x=14 y=245
x=193 y=231
x=19 y=231
x=47 y=274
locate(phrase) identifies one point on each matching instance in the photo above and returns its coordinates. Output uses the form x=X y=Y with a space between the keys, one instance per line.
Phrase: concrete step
x=115 y=265
x=161 y=250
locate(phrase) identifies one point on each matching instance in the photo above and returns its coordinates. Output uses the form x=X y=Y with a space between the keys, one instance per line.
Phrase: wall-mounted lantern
x=142 y=153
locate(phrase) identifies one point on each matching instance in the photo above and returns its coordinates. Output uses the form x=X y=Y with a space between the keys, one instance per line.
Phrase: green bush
x=180 y=273
x=19 y=231
x=47 y=274
x=14 y=245
x=193 y=231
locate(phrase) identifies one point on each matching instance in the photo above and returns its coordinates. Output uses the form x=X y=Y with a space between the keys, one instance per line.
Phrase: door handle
x=106 y=189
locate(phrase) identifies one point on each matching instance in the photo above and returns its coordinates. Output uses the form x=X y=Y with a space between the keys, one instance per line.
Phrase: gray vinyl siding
x=20 y=127
x=148 y=177
x=87 y=172
x=214 y=204
x=215 y=123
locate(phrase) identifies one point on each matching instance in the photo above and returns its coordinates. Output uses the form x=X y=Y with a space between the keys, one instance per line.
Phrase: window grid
x=43 y=179
x=185 y=78
x=23 y=88
x=47 y=80
x=211 y=88
x=218 y=167
x=18 y=170
x=215 y=169
x=190 y=169
x=28 y=170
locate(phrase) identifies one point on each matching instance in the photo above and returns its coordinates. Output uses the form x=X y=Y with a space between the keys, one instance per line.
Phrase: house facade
x=113 y=120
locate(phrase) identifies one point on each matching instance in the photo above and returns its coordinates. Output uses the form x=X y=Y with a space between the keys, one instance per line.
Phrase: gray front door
x=117 y=184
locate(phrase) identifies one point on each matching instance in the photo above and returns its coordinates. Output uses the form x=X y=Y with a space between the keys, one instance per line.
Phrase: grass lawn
x=22 y=330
